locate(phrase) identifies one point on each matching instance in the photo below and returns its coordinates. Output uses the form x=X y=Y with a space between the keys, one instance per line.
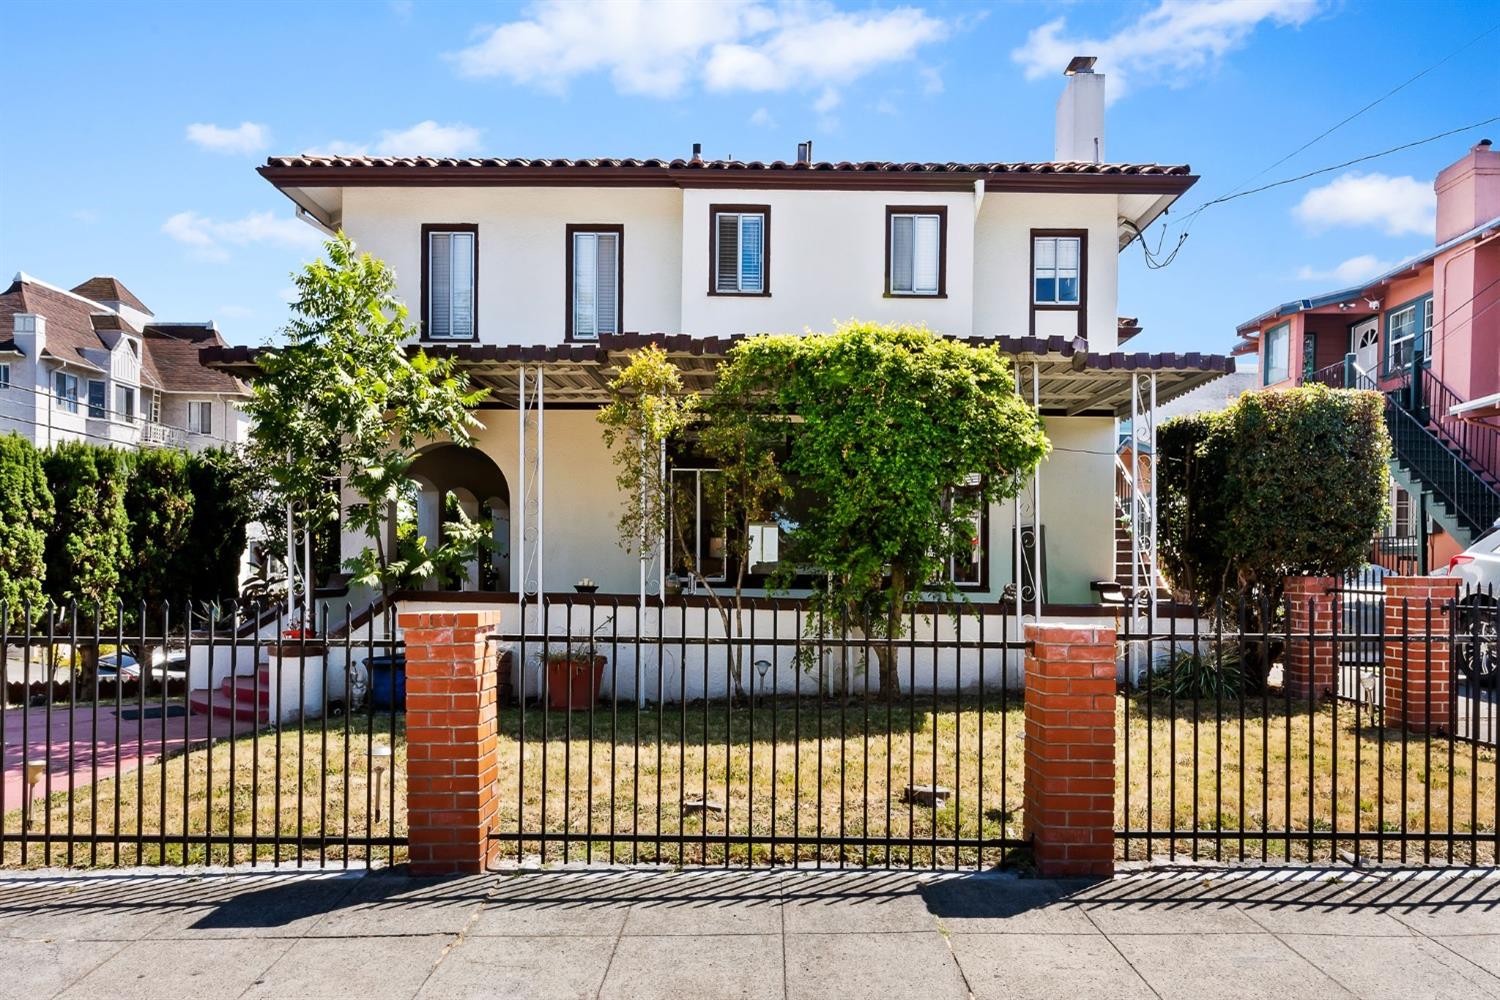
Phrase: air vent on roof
x=804 y=152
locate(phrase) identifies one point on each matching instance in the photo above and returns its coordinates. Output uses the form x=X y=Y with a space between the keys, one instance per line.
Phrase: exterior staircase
x=241 y=697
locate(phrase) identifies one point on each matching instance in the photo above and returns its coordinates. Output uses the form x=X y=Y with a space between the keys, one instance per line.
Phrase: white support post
x=1017 y=549
x=520 y=507
x=1036 y=502
x=1151 y=498
x=291 y=566
x=541 y=483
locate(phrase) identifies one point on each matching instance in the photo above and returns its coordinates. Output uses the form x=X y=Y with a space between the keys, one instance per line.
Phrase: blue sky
x=135 y=129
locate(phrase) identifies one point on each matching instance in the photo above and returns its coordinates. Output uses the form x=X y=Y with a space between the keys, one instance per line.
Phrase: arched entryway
x=449 y=476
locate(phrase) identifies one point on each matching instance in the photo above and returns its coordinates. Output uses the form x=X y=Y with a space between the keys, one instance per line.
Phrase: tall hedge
x=160 y=506
x=25 y=511
x=223 y=488
x=1281 y=483
x=89 y=544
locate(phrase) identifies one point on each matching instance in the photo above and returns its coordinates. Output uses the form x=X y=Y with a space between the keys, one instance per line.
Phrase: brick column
x=1070 y=749
x=1310 y=664
x=451 y=763
x=1418 y=674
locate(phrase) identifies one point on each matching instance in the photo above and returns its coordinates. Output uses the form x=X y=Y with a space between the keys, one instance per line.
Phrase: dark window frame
x=764 y=211
x=571 y=230
x=941 y=211
x=429 y=228
x=1082 y=308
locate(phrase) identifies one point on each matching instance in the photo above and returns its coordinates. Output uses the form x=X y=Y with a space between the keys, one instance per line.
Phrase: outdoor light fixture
x=380 y=759
x=762 y=667
x=34 y=771
x=1367 y=684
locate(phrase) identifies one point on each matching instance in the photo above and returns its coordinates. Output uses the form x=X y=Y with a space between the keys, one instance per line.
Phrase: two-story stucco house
x=541 y=275
x=94 y=364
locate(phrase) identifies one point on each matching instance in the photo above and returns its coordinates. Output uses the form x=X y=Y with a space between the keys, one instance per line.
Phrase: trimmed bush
x=25 y=511
x=159 y=505
x=89 y=544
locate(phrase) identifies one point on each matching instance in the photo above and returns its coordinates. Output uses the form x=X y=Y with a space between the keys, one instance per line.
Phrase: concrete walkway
x=761 y=934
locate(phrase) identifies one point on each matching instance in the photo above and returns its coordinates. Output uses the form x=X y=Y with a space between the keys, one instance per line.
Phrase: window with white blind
x=914 y=251
x=125 y=402
x=200 y=416
x=1057 y=270
x=594 y=280
x=739 y=254
x=65 y=387
x=450 y=256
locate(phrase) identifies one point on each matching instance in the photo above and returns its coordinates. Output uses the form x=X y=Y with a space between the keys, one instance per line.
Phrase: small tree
x=343 y=399
x=25 y=512
x=89 y=544
x=159 y=505
x=886 y=426
x=1282 y=483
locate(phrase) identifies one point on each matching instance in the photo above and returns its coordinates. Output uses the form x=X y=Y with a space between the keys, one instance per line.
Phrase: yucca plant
x=1204 y=675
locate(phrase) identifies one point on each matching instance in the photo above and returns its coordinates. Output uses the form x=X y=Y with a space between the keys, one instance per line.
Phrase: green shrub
x=159 y=505
x=25 y=511
x=89 y=543
x=1204 y=675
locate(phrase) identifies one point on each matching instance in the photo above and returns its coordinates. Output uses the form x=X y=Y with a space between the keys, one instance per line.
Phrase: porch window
x=97 y=407
x=914 y=251
x=449 y=278
x=1056 y=270
x=698 y=525
x=65 y=387
x=125 y=402
x=200 y=416
x=1309 y=354
x=966 y=570
x=1277 y=354
x=739 y=259
x=595 y=295
x=1408 y=330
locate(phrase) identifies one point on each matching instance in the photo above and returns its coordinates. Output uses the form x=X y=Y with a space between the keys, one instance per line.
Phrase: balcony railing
x=162 y=436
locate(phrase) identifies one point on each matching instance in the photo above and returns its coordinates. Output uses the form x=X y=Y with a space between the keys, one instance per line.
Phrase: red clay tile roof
x=821 y=166
x=106 y=289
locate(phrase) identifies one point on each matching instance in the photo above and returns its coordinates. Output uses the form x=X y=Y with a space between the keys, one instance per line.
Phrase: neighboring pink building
x=1427 y=333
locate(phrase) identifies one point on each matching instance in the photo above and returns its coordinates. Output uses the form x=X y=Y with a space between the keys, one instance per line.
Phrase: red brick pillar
x=1070 y=749
x=1418 y=670
x=451 y=764
x=1312 y=605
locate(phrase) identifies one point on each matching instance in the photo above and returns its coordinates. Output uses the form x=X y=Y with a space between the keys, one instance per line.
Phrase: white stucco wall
x=522 y=250
x=1002 y=264
x=827 y=263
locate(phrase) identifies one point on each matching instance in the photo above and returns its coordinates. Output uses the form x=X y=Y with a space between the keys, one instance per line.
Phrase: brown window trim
x=428 y=228
x=765 y=250
x=1082 y=308
x=571 y=229
x=941 y=211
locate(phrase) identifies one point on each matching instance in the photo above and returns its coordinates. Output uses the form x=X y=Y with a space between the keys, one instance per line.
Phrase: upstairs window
x=1278 y=353
x=5 y=375
x=97 y=399
x=1408 y=331
x=914 y=257
x=65 y=388
x=1057 y=270
x=739 y=256
x=450 y=275
x=125 y=403
x=595 y=295
x=200 y=416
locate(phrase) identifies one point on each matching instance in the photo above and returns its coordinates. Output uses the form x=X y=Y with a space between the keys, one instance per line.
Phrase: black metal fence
x=1220 y=759
x=681 y=735
x=194 y=736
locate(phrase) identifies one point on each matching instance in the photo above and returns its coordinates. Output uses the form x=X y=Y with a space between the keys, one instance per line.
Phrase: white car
x=1478 y=567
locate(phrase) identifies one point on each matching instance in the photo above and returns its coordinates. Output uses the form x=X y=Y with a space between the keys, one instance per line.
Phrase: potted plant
x=571 y=676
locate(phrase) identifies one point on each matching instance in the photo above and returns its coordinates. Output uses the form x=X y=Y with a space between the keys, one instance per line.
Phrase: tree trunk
x=890 y=681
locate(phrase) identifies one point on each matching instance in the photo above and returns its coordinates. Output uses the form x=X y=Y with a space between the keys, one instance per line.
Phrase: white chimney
x=30 y=333
x=1080 y=114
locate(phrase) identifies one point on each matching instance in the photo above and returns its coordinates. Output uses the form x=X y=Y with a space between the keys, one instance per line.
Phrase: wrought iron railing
x=1478 y=443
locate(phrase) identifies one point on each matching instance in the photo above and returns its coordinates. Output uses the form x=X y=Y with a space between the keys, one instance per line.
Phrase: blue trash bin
x=387 y=682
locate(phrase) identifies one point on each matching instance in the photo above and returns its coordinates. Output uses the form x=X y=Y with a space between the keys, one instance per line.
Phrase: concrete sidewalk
x=844 y=935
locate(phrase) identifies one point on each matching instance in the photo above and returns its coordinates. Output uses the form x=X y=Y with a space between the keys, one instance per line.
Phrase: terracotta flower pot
x=573 y=682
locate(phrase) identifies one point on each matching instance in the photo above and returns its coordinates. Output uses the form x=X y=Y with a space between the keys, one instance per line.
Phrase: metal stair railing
x=1441 y=470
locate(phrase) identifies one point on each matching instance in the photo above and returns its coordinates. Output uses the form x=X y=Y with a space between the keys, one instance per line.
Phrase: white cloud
x=235 y=312
x=1350 y=272
x=661 y=48
x=423 y=139
x=1171 y=41
x=827 y=101
x=400 y=9
x=1398 y=205
x=932 y=80
x=207 y=237
x=762 y=118
x=247 y=137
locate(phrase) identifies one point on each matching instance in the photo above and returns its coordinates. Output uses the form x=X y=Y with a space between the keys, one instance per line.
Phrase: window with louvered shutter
x=596 y=284
x=1057 y=268
x=450 y=285
x=916 y=256
x=739 y=253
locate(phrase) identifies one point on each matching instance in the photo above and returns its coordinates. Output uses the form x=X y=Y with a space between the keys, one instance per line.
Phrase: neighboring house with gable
x=541 y=277
x=94 y=364
x=1426 y=333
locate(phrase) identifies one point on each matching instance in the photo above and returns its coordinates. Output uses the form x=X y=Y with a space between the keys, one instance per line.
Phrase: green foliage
x=1288 y=482
x=344 y=398
x=160 y=508
x=883 y=425
x=25 y=512
x=89 y=544
x=647 y=409
x=1202 y=674
x=223 y=486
